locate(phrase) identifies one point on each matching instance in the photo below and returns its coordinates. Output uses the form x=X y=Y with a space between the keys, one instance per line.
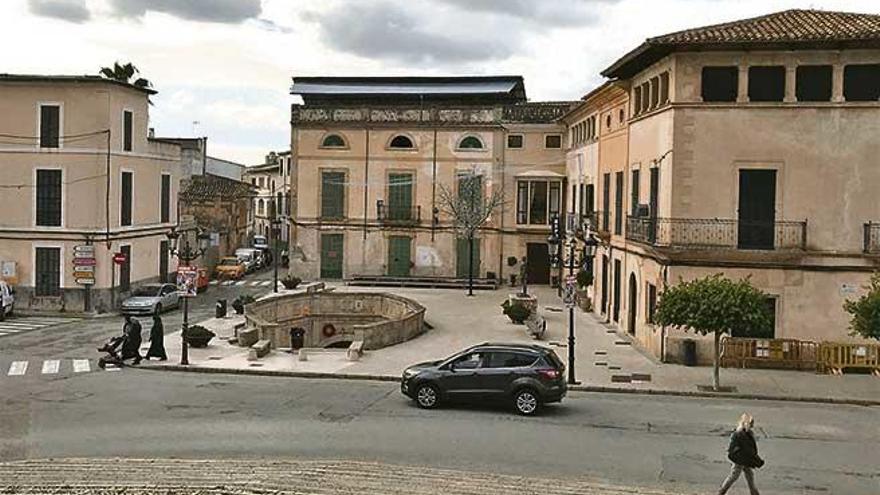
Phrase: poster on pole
x=568 y=291
x=187 y=277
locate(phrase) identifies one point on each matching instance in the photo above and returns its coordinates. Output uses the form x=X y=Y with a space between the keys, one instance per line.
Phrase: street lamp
x=186 y=255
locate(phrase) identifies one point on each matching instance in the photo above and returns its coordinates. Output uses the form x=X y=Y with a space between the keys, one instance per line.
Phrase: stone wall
x=378 y=319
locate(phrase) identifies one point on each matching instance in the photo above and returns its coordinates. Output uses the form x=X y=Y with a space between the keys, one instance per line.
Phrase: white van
x=248 y=257
x=7 y=299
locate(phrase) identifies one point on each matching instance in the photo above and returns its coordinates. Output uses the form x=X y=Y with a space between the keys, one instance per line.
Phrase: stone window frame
x=468 y=150
x=328 y=135
x=394 y=136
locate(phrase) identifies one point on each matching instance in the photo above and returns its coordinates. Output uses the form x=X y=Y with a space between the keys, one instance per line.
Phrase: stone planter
x=199 y=342
x=582 y=297
x=528 y=300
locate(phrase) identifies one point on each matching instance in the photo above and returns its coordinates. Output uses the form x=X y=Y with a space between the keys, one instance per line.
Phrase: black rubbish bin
x=220 y=309
x=689 y=352
x=297 y=338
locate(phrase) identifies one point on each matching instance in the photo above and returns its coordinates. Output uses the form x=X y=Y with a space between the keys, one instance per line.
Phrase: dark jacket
x=132 y=343
x=743 y=450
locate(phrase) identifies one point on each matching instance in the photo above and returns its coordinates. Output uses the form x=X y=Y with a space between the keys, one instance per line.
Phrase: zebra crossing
x=48 y=367
x=15 y=325
x=243 y=283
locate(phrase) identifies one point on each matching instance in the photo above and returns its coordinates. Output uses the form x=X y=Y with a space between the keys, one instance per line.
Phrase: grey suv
x=527 y=375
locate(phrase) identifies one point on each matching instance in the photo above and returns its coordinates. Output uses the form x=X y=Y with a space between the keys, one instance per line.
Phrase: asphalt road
x=672 y=443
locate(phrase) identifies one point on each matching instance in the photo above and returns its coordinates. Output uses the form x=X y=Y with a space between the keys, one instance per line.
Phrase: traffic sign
x=119 y=258
x=568 y=292
x=84 y=251
x=81 y=274
x=84 y=268
x=85 y=281
x=187 y=277
x=84 y=261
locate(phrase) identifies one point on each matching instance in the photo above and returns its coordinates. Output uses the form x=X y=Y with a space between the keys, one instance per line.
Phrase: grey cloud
x=386 y=30
x=66 y=10
x=222 y=11
x=564 y=13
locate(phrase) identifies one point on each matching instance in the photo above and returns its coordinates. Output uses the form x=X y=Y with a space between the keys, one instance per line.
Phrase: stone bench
x=355 y=350
x=260 y=349
x=248 y=337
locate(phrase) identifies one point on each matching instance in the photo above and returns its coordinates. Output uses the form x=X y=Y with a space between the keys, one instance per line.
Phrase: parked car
x=260 y=242
x=526 y=375
x=249 y=257
x=7 y=299
x=151 y=299
x=230 y=267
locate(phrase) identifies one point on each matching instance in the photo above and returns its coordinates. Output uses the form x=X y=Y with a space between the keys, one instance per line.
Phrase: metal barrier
x=835 y=357
x=769 y=353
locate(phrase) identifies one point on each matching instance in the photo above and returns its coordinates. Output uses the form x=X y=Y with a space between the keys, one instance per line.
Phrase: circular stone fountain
x=332 y=319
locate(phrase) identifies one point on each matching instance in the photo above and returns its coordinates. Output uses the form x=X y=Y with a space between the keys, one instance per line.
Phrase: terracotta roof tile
x=212 y=187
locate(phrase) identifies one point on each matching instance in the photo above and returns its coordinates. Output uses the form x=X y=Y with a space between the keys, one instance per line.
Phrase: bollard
x=220 y=309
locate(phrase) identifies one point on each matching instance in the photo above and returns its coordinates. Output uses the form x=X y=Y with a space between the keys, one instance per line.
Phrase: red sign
x=84 y=261
x=119 y=258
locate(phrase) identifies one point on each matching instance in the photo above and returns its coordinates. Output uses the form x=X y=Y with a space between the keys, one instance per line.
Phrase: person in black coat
x=132 y=344
x=743 y=453
x=157 y=340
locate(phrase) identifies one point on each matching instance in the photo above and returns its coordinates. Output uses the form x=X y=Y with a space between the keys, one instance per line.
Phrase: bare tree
x=469 y=209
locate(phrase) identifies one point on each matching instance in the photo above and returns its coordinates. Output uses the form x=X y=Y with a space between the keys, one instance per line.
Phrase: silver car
x=151 y=299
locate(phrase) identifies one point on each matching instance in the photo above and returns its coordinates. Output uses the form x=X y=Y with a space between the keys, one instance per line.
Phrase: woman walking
x=157 y=340
x=743 y=453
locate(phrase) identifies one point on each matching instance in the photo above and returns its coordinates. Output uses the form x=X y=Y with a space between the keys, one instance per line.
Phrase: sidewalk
x=459 y=321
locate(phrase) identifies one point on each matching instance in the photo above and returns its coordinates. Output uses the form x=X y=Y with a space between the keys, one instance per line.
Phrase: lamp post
x=187 y=254
x=555 y=242
x=554 y=245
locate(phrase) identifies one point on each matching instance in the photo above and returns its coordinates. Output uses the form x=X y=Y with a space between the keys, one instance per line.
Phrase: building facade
x=272 y=196
x=372 y=157
x=751 y=152
x=82 y=180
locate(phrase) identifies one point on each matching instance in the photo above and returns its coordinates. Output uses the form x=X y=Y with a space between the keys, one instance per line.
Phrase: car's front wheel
x=526 y=402
x=427 y=396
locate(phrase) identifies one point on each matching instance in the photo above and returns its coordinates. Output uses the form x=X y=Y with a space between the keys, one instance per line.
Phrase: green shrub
x=584 y=279
x=517 y=312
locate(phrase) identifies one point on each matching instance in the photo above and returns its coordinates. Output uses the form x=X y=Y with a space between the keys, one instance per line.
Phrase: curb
x=574 y=388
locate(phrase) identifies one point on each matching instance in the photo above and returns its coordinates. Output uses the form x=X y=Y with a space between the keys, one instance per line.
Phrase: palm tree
x=124 y=73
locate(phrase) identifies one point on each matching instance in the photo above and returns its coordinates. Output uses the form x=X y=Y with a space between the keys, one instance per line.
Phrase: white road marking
x=255 y=283
x=80 y=365
x=18 y=368
x=240 y=282
x=213 y=282
x=50 y=367
x=265 y=283
x=228 y=282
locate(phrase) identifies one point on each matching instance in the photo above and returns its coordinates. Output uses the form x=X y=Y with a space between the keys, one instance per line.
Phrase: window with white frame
x=537 y=201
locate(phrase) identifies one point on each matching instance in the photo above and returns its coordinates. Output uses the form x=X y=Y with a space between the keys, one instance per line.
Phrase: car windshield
x=229 y=262
x=147 y=291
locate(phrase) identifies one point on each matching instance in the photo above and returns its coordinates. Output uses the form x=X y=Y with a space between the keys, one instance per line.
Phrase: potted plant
x=516 y=311
x=584 y=280
x=198 y=336
x=291 y=282
x=240 y=302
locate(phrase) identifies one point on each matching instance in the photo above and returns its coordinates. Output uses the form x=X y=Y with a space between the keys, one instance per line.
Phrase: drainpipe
x=663 y=328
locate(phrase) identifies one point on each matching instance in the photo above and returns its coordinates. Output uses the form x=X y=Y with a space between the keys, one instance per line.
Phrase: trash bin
x=689 y=352
x=220 y=309
x=297 y=338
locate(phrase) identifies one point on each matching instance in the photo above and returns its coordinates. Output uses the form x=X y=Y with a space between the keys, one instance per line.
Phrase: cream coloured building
x=272 y=195
x=369 y=159
x=752 y=151
x=77 y=168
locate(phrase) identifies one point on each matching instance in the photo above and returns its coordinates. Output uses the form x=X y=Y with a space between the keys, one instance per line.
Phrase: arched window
x=620 y=115
x=608 y=121
x=260 y=207
x=402 y=142
x=470 y=143
x=333 y=141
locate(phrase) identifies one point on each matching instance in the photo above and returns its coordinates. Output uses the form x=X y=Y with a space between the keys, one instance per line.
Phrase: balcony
x=715 y=233
x=872 y=238
x=399 y=215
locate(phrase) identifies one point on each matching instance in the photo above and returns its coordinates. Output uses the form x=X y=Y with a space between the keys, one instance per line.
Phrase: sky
x=223 y=68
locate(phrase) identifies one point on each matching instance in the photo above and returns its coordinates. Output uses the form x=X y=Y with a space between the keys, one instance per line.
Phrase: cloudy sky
x=227 y=64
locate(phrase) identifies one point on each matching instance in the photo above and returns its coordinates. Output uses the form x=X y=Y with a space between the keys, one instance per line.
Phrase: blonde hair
x=745 y=422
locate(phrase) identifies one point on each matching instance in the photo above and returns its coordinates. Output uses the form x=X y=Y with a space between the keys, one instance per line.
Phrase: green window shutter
x=400 y=196
x=332 y=194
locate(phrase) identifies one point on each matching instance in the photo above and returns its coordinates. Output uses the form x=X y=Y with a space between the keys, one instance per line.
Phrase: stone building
x=272 y=196
x=370 y=157
x=751 y=151
x=79 y=169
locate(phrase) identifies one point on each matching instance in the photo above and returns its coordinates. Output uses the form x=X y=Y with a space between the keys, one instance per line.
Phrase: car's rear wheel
x=427 y=396
x=526 y=402
x=158 y=309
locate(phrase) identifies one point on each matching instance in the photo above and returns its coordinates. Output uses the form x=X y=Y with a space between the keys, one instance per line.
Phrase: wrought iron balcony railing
x=399 y=214
x=716 y=233
x=872 y=237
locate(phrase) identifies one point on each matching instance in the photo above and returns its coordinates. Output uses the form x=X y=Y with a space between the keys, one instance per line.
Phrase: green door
x=462 y=262
x=400 y=197
x=399 y=256
x=331 y=256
